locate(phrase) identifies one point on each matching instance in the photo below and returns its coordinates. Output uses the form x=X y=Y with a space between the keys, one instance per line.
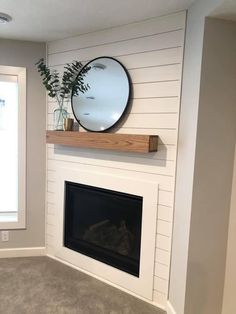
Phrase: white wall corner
x=23 y=252
x=170 y=309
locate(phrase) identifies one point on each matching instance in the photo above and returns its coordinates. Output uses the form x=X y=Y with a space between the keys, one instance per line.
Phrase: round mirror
x=105 y=100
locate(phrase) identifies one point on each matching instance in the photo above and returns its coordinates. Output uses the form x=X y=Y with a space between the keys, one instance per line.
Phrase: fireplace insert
x=103 y=224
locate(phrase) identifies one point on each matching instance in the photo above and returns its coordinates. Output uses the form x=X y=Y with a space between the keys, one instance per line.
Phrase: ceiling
x=226 y=11
x=46 y=20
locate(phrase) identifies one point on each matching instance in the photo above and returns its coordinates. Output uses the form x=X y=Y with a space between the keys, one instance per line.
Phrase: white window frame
x=20 y=223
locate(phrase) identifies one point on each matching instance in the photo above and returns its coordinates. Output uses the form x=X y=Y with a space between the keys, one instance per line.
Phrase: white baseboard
x=23 y=252
x=106 y=281
x=169 y=308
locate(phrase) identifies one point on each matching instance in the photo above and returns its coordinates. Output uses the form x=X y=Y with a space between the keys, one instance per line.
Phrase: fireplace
x=129 y=269
x=104 y=224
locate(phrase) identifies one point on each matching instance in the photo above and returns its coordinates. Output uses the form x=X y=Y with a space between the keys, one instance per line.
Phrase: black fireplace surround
x=104 y=225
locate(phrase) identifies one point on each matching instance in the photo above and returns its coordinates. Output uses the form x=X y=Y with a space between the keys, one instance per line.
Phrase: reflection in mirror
x=102 y=105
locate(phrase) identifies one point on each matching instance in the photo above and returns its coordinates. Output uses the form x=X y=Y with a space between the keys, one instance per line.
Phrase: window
x=12 y=147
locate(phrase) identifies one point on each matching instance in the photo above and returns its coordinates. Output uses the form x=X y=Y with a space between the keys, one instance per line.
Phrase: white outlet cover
x=5 y=236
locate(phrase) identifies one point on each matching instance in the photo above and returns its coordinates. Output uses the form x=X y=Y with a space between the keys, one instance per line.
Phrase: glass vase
x=58 y=118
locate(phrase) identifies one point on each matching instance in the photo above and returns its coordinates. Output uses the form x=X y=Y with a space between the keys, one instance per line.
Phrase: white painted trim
x=169 y=308
x=106 y=281
x=156 y=304
x=22 y=149
x=23 y=252
x=20 y=73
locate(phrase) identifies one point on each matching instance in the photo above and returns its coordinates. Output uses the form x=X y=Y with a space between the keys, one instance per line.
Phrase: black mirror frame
x=128 y=98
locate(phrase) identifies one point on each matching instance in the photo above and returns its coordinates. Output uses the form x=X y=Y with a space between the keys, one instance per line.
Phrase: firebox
x=103 y=224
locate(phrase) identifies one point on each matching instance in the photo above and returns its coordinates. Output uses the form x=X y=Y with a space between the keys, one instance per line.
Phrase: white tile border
x=143 y=285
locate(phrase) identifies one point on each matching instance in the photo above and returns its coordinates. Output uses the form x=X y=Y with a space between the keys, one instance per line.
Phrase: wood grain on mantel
x=110 y=141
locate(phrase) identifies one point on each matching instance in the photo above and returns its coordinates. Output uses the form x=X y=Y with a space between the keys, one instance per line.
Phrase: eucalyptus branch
x=71 y=83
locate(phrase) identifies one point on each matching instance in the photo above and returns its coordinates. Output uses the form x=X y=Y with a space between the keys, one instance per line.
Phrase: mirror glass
x=103 y=104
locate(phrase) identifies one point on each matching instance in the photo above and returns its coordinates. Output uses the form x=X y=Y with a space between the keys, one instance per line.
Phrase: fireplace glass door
x=104 y=225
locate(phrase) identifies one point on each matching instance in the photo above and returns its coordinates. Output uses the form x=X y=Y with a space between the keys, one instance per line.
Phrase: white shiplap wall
x=152 y=52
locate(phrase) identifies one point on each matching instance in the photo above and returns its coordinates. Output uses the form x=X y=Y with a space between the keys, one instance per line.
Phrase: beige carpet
x=41 y=285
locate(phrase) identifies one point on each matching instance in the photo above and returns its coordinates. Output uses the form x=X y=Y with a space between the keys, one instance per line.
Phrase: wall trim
x=23 y=252
x=169 y=308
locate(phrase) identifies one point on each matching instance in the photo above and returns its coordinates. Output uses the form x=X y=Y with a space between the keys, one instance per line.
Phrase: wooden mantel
x=110 y=141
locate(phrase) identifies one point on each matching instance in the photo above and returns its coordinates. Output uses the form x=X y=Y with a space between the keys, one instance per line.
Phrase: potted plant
x=62 y=90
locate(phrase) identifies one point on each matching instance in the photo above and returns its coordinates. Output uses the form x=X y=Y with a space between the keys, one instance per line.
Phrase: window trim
x=20 y=72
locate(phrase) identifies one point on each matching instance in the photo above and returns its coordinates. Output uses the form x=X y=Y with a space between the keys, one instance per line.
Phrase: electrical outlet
x=5 y=236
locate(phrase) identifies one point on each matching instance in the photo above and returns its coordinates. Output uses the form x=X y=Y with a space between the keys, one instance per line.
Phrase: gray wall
x=213 y=171
x=25 y=54
x=229 y=302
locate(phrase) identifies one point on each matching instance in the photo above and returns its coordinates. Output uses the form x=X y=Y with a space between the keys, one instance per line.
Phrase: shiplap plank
x=50 y=230
x=164 y=228
x=168 y=137
x=49 y=242
x=165 y=182
x=160 y=285
x=50 y=208
x=50 y=186
x=139 y=29
x=155 y=42
x=165 y=213
x=51 y=166
x=165 y=152
x=162 y=257
x=162 y=121
x=145 y=59
x=49 y=238
x=166 y=198
x=163 y=242
x=152 y=58
x=149 y=105
x=50 y=219
x=162 y=271
x=161 y=167
x=160 y=298
x=50 y=175
x=51 y=197
x=157 y=89
x=154 y=74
